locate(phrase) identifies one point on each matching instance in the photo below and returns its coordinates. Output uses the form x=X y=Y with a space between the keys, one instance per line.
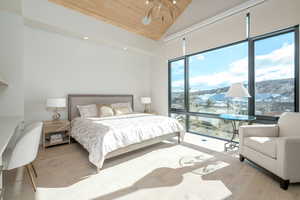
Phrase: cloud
x=284 y=55
x=239 y=66
x=278 y=64
x=280 y=71
x=200 y=57
x=218 y=79
x=178 y=67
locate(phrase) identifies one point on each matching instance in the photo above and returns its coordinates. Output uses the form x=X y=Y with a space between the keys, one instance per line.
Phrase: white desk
x=7 y=130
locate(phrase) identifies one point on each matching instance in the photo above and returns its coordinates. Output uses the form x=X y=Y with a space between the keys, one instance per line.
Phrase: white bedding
x=103 y=135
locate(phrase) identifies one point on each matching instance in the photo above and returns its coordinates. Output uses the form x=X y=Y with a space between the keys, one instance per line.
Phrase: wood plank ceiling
x=127 y=14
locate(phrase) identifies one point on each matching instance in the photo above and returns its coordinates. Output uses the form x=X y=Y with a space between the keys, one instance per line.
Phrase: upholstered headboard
x=85 y=99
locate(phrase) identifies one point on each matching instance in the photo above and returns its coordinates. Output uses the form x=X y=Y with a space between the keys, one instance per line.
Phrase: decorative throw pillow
x=122 y=110
x=88 y=110
x=121 y=105
x=106 y=111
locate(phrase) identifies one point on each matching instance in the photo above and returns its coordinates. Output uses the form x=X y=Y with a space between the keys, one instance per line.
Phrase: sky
x=274 y=59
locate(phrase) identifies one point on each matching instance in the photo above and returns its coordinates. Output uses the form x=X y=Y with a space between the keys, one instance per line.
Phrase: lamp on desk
x=147 y=102
x=237 y=90
x=55 y=105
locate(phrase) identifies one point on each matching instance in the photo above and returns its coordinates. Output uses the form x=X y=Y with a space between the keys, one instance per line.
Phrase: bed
x=107 y=137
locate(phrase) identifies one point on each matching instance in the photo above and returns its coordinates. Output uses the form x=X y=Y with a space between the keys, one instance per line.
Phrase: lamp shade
x=56 y=103
x=238 y=90
x=145 y=100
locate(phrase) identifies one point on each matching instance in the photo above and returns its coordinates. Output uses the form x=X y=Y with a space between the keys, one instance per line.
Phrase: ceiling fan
x=160 y=9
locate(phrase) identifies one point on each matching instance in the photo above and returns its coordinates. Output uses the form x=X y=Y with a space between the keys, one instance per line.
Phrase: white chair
x=275 y=147
x=23 y=149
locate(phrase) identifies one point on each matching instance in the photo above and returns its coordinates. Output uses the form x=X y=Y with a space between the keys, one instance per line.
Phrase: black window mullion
x=251 y=77
x=187 y=122
x=169 y=89
x=186 y=84
x=186 y=92
x=297 y=68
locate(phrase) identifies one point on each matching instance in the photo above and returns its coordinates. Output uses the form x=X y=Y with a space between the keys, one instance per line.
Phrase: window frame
x=170 y=85
x=252 y=41
x=205 y=51
x=251 y=79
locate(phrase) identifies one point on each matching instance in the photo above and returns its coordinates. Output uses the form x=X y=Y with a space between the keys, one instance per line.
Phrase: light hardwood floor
x=196 y=169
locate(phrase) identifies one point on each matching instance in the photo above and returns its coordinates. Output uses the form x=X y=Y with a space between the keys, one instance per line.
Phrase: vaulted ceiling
x=127 y=14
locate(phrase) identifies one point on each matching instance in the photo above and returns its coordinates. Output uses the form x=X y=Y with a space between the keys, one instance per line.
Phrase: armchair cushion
x=289 y=124
x=262 y=130
x=264 y=145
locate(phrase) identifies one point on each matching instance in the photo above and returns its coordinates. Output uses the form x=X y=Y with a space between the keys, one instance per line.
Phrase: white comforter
x=103 y=135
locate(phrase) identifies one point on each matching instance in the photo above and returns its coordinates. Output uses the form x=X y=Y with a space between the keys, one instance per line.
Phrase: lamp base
x=56 y=116
x=147 y=108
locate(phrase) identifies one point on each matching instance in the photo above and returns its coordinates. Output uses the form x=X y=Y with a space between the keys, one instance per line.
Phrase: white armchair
x=276 y=148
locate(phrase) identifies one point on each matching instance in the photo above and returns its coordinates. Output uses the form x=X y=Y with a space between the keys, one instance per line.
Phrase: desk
x=234 y=119
x=7 y=130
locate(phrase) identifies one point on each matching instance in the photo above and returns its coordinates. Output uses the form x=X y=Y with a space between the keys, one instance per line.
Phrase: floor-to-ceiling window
x=266 y=65
x=274 y=74
x=211 y=74
x=177 y=84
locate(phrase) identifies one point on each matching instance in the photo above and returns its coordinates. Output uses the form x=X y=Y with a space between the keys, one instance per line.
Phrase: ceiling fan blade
x=172 y=14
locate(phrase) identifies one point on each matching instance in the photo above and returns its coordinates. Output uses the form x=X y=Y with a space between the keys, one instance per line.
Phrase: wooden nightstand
x=53 y=127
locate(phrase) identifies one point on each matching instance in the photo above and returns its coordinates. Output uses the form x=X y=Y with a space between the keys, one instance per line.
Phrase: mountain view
x=273 y=95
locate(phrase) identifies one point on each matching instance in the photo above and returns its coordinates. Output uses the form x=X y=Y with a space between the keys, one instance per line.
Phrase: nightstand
x=53 y=127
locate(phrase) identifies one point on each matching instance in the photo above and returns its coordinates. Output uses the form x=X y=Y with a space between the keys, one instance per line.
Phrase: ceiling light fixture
x=146 y=20
x=160 y=9
x=85 y=38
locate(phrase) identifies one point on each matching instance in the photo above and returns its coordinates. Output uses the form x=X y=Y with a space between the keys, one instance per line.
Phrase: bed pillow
x=105 y=111
x=88 y=110
x=122 y=110
x=122 y=106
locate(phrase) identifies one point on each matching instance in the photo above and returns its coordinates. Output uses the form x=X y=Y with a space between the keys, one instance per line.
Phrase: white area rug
x=161 y=172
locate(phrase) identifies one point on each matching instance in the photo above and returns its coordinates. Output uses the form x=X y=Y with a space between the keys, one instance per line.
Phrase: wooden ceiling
x=127 y=14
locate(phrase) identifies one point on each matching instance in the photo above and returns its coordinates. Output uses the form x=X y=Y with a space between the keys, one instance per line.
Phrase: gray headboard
x=85 y=99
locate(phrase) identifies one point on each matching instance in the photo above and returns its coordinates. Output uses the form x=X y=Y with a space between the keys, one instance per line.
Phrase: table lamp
x=56 y=104
x=237 y=90
x=147 y=102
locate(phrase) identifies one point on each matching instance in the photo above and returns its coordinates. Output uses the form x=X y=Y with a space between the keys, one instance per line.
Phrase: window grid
x=251 y=80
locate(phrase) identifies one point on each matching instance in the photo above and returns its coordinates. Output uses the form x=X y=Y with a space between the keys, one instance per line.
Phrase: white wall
x=11 y=64
x=271 y=16
x=73 y=21
x=159 y=82
x=14 y=6
x=56 y=65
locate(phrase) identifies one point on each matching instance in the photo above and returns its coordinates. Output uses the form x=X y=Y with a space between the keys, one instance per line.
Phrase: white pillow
x=88 y=110
x=122 y=110
x=106 y=111
x=122 y=105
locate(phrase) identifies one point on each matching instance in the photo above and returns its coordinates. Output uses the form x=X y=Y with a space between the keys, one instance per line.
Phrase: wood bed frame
x=84 y=99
